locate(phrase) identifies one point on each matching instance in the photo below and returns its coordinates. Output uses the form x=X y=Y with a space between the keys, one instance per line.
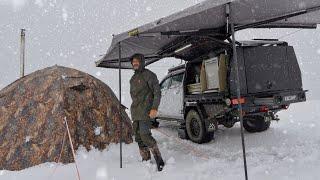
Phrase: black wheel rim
x=250 y=122
x=195 y=127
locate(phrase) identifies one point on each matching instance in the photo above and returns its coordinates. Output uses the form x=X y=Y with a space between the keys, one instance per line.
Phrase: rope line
x=60 y=155
x=73 y=152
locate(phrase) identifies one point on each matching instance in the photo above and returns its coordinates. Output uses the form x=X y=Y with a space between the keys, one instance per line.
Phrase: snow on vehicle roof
x=261 y=42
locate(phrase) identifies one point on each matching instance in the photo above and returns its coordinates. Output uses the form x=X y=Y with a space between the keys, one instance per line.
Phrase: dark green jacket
x=145 y=93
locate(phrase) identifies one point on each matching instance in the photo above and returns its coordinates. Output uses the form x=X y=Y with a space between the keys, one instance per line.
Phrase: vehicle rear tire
x=196 y=129
x=255 y=123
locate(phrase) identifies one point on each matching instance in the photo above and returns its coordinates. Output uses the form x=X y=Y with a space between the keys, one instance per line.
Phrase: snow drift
x=32 y=113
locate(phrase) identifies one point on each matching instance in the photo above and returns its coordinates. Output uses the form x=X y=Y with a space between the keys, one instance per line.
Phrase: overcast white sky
x=75 y=33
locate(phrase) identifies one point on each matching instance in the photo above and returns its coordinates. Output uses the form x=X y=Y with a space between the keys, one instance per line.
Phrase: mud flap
x=210 y=124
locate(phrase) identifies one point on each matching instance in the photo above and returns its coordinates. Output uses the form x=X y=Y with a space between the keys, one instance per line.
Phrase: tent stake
x=239 y=96
x=120 y=106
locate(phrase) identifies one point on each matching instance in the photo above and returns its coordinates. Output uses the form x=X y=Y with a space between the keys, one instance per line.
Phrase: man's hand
x=153 y=113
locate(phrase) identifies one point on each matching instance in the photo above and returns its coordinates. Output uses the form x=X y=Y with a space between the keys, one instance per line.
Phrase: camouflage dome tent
x=33 y=109
x=198 y=29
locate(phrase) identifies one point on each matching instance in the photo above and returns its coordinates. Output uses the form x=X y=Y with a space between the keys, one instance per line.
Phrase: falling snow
x=76 y=33
x=97 y=130
x=27 y=139
x=64 y=14
x=39 y=3
x=149 y=8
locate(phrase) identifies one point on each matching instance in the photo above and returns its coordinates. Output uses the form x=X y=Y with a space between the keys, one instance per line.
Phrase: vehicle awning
x=170 y=34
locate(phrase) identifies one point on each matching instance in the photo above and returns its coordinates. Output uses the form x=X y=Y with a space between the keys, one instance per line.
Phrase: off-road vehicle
x=201 y=94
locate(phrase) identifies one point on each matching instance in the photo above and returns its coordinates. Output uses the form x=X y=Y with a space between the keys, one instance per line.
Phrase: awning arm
x=278 y=18
x=299 y=26
x=230 y=41
x=191 y=32
x=168 y=51
x=220 y=41
x=196 y=32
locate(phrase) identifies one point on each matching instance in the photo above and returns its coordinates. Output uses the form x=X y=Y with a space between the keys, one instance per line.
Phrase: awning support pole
x=235 y=59
x=120 y=105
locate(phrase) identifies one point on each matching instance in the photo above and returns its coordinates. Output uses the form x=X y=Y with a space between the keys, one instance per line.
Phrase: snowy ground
x=288 y=150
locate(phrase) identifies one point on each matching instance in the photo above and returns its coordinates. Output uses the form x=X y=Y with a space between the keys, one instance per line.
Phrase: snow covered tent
x=33 y=110
x=210 y=18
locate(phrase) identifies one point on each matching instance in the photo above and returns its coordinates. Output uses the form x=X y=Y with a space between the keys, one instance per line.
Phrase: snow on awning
x=207 y=17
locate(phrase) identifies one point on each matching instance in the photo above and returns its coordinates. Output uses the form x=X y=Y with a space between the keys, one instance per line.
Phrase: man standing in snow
x=146 y=95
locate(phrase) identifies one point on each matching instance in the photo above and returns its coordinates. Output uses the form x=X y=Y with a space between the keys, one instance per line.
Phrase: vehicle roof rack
x=263 y=42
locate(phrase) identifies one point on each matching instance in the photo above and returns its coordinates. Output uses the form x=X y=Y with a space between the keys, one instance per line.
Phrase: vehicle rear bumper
x=272 y=102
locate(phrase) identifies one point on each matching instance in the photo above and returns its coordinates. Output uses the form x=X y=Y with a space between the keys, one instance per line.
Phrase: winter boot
x=157 y=156
x=145 y=153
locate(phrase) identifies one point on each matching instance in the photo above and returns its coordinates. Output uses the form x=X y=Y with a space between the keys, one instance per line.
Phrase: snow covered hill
x=288 y=150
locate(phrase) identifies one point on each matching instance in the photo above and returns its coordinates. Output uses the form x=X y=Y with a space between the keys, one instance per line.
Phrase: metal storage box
x=212 y=73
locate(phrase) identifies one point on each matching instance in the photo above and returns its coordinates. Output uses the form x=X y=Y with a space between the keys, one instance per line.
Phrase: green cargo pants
x=143 y=134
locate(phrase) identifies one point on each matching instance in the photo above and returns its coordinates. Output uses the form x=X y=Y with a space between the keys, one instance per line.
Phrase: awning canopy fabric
x=206 y=23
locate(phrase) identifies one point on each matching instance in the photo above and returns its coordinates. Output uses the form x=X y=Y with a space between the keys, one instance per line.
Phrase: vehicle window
x=176 y=80
x=165 y=84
